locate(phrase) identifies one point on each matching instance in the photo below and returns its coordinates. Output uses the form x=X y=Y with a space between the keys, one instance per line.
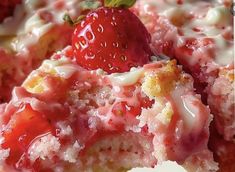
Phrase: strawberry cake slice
x=67 y=118
x=35 y=30
x=199 y=34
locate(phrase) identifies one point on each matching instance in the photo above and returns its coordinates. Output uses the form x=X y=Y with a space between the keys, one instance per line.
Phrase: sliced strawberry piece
x=25 y=125
x=113 y=39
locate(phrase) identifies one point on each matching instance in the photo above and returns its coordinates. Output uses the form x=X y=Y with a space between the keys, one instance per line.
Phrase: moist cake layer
x=64 y=117
x=32 y=34
x=199 y=34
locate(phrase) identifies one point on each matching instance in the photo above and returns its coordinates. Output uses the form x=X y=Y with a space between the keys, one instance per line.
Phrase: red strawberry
x=7 y=8
x=112 y=39
x=25 y=125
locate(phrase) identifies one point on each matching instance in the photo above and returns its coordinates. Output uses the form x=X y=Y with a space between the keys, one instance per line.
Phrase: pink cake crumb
x=66 y=117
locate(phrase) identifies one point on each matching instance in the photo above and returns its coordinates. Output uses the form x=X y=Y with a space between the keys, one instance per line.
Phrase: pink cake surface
x=58 y=116
x=32 y=34
x=199 y=34
x=66 y=118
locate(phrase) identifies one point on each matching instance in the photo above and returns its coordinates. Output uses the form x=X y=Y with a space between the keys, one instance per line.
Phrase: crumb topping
x=162 y=81
x=229 y=74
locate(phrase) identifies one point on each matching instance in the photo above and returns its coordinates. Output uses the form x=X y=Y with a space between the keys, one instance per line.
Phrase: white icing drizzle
x=210 y=18
x=62 y=67
x=226 y=55
x=28 y=24
x=166 y=166
x=66 y=71
x=186 y=109
x=127 y=78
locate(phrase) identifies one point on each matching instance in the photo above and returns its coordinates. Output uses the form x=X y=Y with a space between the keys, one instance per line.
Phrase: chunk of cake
x=199 y=34
x=67 y=118
x=33 y=33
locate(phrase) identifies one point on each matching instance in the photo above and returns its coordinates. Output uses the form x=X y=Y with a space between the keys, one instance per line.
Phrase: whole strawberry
x=111 y=38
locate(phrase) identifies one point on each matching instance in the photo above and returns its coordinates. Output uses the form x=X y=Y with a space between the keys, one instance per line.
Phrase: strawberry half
x=111 y=38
